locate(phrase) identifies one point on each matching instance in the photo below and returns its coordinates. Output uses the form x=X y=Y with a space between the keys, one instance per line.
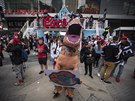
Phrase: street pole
x=38 y=5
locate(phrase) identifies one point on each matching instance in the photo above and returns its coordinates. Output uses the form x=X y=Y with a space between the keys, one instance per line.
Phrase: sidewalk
x=39 y=88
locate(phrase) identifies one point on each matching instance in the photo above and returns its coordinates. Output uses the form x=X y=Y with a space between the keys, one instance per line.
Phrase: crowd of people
x=106 y=56
x=19 y=48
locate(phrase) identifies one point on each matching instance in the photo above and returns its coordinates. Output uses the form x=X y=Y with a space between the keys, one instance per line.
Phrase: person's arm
x=46 y=48
x=75 y=69
x=116 y=52
x=12 y=48
x=103 y=53
x=93 y=52
x=9 y=48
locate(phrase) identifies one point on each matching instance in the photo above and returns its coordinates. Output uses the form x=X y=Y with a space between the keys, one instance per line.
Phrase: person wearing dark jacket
x=110 y=53
x=15 y=48
x=89 y=53
x=126 y=52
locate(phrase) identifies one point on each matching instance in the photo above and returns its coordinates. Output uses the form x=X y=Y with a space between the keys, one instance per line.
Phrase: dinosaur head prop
x=72 y=37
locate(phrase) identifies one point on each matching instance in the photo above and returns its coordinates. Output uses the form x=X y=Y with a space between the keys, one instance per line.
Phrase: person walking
x=15 y=47
x=98 y=51
x=110 y=53
x=125 y=47
x=42 y=54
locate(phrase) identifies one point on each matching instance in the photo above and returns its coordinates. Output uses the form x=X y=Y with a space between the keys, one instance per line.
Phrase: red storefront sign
x=50 y=22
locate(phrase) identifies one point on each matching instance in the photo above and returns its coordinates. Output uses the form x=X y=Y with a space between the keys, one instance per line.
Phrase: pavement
x=39 y=88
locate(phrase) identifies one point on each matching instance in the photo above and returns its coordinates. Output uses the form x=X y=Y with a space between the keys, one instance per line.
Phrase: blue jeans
x=121 y=67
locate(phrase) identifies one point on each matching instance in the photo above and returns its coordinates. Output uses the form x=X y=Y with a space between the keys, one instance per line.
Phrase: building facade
x=117 y=7
x=119 y=12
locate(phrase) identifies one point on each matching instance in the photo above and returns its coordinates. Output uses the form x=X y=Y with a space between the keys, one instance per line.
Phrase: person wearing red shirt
x=42 y=54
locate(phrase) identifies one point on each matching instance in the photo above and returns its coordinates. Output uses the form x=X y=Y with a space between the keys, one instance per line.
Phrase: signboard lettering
x=50 y=22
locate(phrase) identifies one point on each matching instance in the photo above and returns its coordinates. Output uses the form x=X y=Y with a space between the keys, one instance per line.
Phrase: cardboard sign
x=65 y=78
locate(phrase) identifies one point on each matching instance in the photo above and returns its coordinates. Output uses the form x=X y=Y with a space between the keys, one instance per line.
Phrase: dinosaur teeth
x=73 y=42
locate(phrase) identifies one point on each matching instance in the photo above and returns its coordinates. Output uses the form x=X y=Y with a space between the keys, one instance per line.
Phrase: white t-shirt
x=53 y=47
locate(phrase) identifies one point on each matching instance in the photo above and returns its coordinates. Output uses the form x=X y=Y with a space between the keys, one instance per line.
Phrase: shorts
x=42 y=61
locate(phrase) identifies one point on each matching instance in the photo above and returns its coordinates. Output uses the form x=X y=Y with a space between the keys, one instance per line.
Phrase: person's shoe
x=85 y=73
x=102 y=79
x=107 y=82
x=117 y=79
x=19 y=83
x=41 y=72
x=70 y=98
x=56 y=95
x=98 y=74
x=91 y=76
x=13 y=69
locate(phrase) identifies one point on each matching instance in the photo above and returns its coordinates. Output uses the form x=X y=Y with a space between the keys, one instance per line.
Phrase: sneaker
x=102 y=79
x=56 y=95
x=117 y=79
x=70 y=98
x=107 y=82
x=98 y=74
x=13 y=69
x=41 y=72
x=85 y=73
x=91 y=76
x=19 y=83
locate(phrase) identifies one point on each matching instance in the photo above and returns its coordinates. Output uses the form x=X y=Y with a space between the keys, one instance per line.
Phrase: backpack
x=24 y=55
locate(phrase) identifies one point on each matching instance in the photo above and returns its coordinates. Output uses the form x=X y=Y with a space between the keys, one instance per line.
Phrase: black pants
x=1 y=64
x=97 y=57
x=88 y=67
x=2 y=56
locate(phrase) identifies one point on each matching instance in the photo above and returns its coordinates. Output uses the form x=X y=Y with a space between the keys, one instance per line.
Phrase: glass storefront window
x=117 y=7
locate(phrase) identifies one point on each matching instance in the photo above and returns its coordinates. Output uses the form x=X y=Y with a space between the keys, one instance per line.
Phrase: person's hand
x=90 y=55
x=23 y=43
x=40 y=50
x=11 y=42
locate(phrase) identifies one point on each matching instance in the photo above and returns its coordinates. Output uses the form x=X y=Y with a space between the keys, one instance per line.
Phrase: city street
x=39 y=88
x=99 y=29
